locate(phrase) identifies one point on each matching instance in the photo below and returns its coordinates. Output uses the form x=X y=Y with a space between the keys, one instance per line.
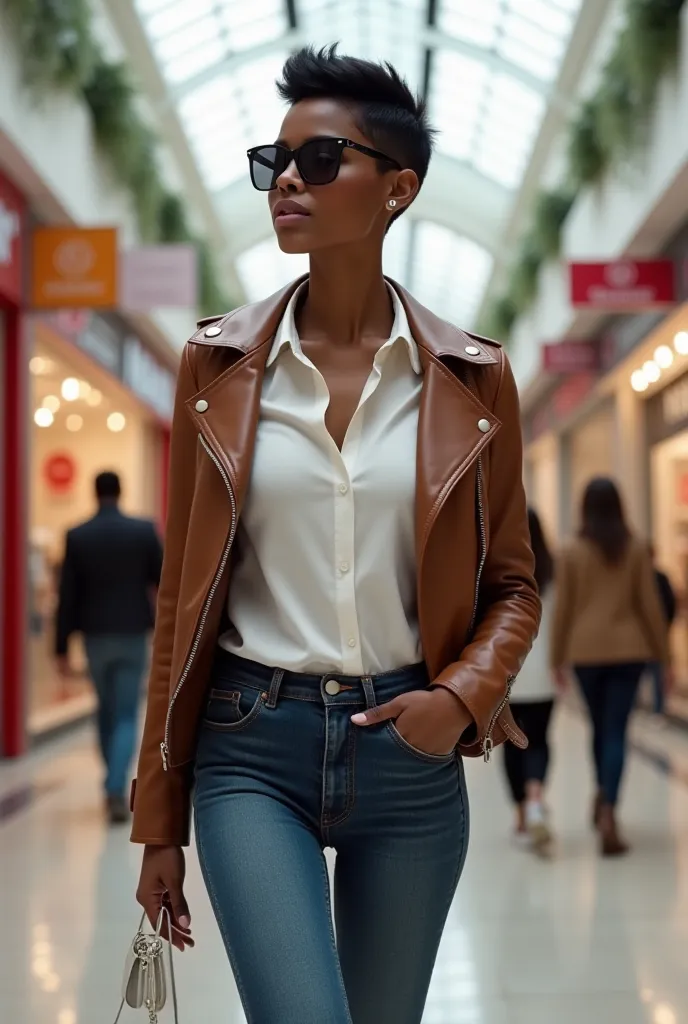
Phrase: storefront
x=12 y=437
x=99 y=400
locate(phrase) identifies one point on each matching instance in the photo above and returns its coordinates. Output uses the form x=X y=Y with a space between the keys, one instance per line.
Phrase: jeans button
x=332 y=687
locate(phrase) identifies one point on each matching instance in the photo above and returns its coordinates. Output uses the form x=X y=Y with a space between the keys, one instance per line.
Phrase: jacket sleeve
x=67 y=600
x=650 y=608
x=160 y=799
x=561 y=620
x=509 y=607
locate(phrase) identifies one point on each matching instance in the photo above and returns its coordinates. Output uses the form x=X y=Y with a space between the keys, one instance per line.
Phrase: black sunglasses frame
x=295 y=154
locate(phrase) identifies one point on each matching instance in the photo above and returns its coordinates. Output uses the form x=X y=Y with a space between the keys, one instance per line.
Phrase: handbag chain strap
x=152 y=1015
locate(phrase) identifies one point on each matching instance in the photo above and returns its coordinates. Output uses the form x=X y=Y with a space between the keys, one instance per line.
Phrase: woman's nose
x=290 y=180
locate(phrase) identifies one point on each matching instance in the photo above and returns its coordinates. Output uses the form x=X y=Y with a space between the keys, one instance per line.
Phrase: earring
x=391 y=203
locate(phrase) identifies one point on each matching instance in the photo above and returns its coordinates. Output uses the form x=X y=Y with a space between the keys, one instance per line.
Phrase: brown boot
x=611 y=843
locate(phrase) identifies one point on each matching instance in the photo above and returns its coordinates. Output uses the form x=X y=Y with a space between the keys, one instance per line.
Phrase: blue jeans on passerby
x=281 y=773
x=117 y=664
x=610 y=692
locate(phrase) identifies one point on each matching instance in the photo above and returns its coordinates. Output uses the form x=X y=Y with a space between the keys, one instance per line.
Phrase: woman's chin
x=291 y=244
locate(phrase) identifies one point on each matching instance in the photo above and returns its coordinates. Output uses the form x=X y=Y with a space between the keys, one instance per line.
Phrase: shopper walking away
x=532 y=704
x=656 y=671
x=111 y=566
x=347 y=590
x=608 y=624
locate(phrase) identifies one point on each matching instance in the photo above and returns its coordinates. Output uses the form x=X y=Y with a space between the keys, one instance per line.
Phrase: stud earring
x=391 y=204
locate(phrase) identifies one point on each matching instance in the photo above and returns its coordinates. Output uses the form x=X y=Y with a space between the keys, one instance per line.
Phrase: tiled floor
x=575 y=941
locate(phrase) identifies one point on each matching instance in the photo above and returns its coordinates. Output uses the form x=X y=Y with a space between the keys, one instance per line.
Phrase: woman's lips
x=287 y=211
x=283 y=219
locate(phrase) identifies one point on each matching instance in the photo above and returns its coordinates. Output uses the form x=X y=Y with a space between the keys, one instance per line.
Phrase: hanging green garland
x=58 y=49
x=608 y=128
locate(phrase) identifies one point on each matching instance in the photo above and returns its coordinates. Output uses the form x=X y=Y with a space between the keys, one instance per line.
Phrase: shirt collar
x=287 y=335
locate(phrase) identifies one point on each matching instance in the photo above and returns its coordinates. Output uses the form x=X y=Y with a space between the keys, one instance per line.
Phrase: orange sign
x=74 y=267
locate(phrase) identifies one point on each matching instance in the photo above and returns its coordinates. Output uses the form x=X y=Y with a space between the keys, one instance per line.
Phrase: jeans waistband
x=313 y=686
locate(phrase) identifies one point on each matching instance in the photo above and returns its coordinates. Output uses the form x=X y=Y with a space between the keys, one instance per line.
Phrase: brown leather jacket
x=477 y=599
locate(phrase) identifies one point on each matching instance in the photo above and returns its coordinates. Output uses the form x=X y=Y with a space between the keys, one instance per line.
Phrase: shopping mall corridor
x=575 y=940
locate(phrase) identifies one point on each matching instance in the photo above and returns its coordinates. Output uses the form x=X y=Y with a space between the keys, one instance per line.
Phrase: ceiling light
x=51 y=402
x=37 y=365
x=638 y=381
x=70 y=389
x=652 y=371
x=116 y=422
x=94 y=397
x=664 y=357
x=74 y=422
x=681 y=343
x=84 y=389
x=43 y=417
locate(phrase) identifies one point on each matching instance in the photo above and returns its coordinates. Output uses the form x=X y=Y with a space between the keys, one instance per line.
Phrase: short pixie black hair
x=386 y=110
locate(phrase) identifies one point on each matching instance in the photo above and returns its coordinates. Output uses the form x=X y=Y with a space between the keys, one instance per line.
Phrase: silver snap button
x=472 y=350
x=332 y=687
x=352 y=641
x=483 y=426
x=213 y=332
x=201 y=405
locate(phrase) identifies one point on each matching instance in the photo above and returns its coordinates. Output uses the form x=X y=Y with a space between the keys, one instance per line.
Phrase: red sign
x=59 y=471
x=623 y=285
x=570 y=357
x=11 y=231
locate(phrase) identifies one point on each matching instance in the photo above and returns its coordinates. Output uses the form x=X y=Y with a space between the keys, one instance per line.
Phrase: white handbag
x=145 y=983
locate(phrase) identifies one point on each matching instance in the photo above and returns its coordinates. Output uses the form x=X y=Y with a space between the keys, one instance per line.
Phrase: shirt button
x=352 y=642
x=343 y=488
x=344 y=567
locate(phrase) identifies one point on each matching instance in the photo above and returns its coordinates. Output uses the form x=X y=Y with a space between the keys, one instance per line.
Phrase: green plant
x=500 y=318
x=54 y=40
x=621 y=114
x=523 y=280
x=587 y=156
x=212 y=298
x=172 y=221
x=650 y=42
x=550 y=211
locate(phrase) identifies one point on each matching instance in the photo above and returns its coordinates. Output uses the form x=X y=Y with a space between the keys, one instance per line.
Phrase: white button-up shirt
x=324 y=576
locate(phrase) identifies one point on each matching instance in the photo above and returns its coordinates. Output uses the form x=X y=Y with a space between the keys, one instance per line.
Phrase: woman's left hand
x=431 y=720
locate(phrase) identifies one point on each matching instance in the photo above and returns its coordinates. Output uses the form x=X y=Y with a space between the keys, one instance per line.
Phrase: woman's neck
x=348 y=299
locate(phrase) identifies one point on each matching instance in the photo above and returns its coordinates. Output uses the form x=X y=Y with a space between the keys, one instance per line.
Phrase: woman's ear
x=404 y=190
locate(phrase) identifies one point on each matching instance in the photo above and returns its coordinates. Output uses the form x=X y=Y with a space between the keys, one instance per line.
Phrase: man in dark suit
x=111 y=567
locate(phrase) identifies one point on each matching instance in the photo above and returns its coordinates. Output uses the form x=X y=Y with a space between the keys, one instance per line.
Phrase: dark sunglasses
x=317 y=161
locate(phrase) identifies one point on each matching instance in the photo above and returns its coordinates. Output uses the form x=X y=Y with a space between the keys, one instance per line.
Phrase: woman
x=532 y=707
x=347 y=590
x=608 y=623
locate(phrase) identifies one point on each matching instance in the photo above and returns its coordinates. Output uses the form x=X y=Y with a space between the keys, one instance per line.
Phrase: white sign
x=159 y=277
x=148 y=379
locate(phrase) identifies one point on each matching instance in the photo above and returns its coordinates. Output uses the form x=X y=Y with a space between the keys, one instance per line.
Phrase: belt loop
x=369 y=691
x=275 y=684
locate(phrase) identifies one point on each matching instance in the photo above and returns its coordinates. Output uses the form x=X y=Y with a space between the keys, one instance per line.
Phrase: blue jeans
x=117 y=664
x=610 y=692
x=281 y=773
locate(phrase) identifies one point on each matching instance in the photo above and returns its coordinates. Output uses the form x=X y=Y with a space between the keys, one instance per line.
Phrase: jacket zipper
x=487 y=744
x=164 y=746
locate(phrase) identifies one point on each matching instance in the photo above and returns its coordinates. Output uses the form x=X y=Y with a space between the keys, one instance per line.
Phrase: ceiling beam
x=292 y=16
x=431 y=21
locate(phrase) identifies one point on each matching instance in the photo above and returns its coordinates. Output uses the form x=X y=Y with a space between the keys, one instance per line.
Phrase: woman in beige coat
x=608 y=624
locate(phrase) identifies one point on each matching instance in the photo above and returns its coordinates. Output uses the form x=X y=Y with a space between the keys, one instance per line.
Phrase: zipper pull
x=164 y=750
x=487 y=749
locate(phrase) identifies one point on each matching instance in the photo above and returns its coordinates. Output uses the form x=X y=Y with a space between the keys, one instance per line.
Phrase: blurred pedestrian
x=608 y=624
x=532 y=704
x=655 y=669
x=111 y=566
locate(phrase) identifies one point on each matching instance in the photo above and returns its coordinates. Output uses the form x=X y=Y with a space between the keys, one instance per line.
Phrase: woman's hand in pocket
x=432 y=720
x=162 y=884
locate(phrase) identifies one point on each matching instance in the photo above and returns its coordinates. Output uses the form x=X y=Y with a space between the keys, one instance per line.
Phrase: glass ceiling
x=485 y=66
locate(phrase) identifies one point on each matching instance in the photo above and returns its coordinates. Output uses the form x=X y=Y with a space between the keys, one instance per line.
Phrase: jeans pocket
x=233 y=710
x=420 y=755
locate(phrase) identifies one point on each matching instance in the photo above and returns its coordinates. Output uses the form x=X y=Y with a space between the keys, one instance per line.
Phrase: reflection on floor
x=576 y=940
